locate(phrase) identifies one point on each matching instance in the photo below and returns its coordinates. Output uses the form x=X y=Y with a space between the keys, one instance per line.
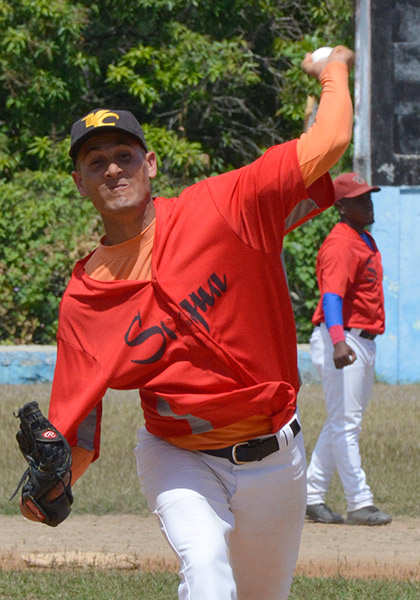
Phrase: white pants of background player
x=234 y=528
x=347 y=392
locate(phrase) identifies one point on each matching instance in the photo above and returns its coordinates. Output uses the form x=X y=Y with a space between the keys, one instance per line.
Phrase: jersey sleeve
x=332 y=305
x=320 y=197
x=337 y=267
x=327 y=139
x=256 y=200
x=324 y=143
x=76 y=397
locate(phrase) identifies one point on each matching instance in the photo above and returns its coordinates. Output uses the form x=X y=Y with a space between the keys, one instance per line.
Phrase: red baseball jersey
x=348 y=267
x=210 y=340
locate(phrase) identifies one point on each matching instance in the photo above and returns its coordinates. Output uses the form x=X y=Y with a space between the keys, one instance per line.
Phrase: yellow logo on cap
x=96 y=119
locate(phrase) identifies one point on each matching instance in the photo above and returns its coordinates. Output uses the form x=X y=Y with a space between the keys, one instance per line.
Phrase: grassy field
x=390 y=453
x=389 y=446
x=100 y=585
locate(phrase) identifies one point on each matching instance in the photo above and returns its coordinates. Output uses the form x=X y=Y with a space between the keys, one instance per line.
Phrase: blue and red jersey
x=349 y=267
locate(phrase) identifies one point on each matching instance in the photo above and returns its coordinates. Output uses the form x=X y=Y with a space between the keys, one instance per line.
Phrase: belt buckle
x=234 y=459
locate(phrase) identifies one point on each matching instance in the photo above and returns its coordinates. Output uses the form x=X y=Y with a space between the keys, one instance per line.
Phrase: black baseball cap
x=104 y=119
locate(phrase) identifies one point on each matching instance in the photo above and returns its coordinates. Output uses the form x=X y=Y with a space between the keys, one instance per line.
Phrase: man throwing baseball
x=349 y=316
x=185 y=300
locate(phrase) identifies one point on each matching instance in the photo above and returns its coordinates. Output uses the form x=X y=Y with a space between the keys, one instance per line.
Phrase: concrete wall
x=35 y=364
x=27 y=364
x=397 y=233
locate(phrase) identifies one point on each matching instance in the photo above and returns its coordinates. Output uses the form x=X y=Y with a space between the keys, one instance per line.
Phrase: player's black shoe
x=320 y=513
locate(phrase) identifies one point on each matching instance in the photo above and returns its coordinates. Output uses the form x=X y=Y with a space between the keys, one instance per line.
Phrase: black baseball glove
x=46 y=483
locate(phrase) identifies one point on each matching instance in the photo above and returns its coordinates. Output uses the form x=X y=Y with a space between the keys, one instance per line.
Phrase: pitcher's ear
x=78 y=180
x=151 y=160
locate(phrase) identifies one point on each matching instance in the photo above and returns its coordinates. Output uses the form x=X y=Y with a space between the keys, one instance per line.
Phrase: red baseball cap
x=351 y=185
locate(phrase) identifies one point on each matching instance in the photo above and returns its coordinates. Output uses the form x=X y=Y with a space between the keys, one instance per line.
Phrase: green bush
x=212 y=86
x=44 y=227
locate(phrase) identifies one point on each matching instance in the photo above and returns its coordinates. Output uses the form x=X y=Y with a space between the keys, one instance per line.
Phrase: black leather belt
x=367 y=335
x=364 y=334
x=252 y=450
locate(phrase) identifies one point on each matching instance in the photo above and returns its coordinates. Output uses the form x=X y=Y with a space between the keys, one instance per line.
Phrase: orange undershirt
x=130 y=260
x=318 y=150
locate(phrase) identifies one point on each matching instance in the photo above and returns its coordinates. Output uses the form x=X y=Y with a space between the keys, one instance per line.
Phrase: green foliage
x=214 y=83
x=331 y=24
x=44 y=227
x=224 y=74
x=42 y=69
x=180 y=161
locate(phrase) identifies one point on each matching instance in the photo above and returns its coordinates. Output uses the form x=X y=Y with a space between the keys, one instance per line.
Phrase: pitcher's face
x=114 y=171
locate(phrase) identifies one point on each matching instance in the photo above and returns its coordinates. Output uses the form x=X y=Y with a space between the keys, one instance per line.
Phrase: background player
x=349 y=316
x=185 y=299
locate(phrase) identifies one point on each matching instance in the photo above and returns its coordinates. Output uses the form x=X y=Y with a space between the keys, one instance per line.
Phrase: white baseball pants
x=347 y=392
x=235 y=529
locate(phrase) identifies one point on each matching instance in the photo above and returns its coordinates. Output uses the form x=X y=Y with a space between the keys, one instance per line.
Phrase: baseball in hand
x=321 y=53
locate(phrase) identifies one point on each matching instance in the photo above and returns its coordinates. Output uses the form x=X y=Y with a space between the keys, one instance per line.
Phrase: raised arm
x=325 y=142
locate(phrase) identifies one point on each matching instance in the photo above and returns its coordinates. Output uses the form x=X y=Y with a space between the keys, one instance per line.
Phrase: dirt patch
x=135 y=542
